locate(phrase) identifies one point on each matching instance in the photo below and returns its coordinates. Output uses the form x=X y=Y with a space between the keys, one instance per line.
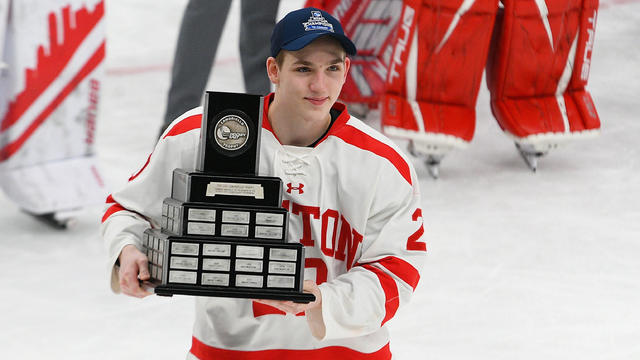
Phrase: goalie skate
x=432 y=155
x=59 y=220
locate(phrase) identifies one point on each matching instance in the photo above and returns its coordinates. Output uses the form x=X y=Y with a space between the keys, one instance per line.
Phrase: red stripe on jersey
x=186 y=124
x=143 y=167
x=112 y=210
x=110 y=199
x=203 y=351
x=401 y=269
x=357 y=138
x=392 y=299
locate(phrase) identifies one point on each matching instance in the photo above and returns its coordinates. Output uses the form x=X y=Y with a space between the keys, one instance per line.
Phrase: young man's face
x=310 y=79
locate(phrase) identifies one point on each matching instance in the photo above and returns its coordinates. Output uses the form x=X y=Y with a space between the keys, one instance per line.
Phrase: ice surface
x=521 y=265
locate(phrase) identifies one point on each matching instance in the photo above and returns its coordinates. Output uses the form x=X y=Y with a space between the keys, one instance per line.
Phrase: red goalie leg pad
x=437 y=69
x=534 y=74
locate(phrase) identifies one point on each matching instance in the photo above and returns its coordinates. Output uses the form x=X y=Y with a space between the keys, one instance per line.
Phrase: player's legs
x=200 y=32
x=257 y=21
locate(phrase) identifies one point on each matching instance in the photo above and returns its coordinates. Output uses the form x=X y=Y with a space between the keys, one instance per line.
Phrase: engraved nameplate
x=254 y=281
x=277 y=267
x=248 y=265
x=283 y=254
x=241 y=217
x=269 y=219
x=234 y=230
x=216 y=249
x=281 y=281
x=235 y=189
x=252 y=252
x=200 y=228
x=269 y=232
x=183 y=277
x=202 y=215
x=215 y=279
x=216 y=264
x=178 y=248
x=178 y=262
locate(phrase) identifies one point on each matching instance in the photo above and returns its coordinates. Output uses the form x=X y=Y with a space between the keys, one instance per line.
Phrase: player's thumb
x=143 y=269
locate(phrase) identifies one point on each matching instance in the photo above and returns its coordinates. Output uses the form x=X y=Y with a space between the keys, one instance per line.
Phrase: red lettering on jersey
x=343 y=239
x=307 y=212
x=412 y=242
x=321 y=269
x=348 y=240
x=325 y=224
x=298 y=188
x=356 y=240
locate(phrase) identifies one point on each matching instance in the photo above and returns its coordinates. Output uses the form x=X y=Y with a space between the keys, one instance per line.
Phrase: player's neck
x=294 y=129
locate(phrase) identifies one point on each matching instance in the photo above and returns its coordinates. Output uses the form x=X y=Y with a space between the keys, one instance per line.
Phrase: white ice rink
x=521 y=265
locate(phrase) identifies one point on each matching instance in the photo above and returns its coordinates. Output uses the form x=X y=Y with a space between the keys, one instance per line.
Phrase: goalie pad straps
x=539 y=70
x=435 y=72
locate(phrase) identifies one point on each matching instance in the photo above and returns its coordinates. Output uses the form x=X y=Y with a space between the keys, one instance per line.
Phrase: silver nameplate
x=202 y=215
x=241 y=217
x=252 y=252
x=187 y=263
x=201 y=228
x=283 y=254
x=182 y=277
x=281 y=281
x=234 y=230
x=269 y=219
x=276 y=267
x=248 y=265
x=243 y=280
x=215 y=279
x=178 y=248
x=216 y=249
x=216 y=264
x=269 y=232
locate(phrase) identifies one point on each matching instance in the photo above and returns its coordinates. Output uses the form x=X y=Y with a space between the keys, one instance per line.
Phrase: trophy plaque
x=224 y=232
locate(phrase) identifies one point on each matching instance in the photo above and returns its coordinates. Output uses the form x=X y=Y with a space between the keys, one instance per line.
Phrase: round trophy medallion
x=231 y=132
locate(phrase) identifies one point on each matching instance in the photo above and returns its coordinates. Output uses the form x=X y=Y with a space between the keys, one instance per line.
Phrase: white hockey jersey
x=354 y=203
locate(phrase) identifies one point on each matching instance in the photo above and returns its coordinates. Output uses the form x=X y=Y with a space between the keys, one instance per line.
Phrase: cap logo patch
x=317 y=22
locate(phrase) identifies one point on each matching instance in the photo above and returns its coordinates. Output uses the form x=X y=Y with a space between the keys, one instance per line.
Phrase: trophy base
x=170 y=290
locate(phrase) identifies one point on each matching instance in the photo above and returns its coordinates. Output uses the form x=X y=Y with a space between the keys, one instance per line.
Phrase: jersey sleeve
x=138 y=205
x=387 y=269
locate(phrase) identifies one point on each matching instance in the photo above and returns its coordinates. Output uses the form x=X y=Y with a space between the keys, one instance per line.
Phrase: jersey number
x=412 y=242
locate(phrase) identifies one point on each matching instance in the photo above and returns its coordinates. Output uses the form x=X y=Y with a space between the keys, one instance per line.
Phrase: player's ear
x=272 y=70
x=347 y=64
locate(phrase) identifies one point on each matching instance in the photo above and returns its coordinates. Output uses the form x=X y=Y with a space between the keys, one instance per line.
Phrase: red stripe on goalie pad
x=438 y=118
x=203 y=351
x=538 y=115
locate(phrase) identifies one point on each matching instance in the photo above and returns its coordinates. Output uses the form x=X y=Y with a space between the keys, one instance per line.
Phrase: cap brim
x=304 y=40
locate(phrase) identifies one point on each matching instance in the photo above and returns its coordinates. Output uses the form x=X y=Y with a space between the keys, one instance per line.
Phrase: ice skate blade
x=530 y=155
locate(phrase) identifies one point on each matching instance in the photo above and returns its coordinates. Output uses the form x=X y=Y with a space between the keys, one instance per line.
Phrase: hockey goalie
x=423 y=62
x=51 y=54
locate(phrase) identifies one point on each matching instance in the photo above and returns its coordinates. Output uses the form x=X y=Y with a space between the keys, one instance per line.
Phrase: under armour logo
x=290 y=188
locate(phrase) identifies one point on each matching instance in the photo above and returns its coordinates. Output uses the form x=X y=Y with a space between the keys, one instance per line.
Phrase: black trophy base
x=170 y=290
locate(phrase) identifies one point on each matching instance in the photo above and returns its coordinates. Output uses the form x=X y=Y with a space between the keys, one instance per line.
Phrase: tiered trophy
x=224 y=232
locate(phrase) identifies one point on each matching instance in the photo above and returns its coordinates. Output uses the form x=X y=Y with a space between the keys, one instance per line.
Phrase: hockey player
x=537 y=69
x=51 y=56
x=353 y=199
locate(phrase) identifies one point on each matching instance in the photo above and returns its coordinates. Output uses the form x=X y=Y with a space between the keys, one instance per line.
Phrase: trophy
x=223 y=231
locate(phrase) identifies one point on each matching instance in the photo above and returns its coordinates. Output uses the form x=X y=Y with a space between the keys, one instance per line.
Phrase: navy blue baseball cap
x=300 y=27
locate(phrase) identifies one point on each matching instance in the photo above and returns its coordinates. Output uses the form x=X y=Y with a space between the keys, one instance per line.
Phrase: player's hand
x=291 y=307
x=133 y=267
